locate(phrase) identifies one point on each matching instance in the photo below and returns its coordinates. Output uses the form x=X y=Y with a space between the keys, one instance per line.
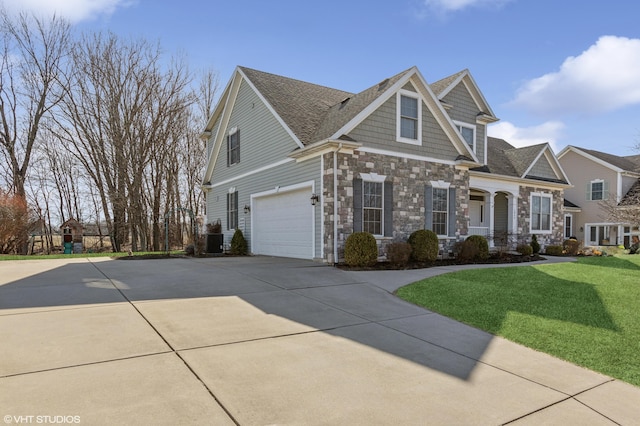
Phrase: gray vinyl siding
x=543 y=169
x=378 y=130
x=465 y=110
x=263 y=140
x=291 y=173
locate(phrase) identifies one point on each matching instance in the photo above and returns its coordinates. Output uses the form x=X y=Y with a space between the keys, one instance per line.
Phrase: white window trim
x=468 y=126
x=591 y=189
x=376 y=179
x=541 y=231
x=444 y=186
x=440 y=184
x=564 y=225
x=416 y=96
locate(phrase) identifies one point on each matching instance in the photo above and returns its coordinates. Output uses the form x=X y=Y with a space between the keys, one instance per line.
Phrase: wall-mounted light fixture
x=314 y=199
x=247 y=208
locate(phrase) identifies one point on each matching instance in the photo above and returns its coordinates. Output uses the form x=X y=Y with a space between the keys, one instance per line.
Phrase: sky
x=566 y=73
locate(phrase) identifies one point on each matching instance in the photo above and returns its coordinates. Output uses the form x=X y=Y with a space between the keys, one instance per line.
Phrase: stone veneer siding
x=409 y=178
x=557 y=217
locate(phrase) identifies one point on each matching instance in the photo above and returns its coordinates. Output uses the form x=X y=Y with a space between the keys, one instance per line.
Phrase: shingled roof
x=505 y=159
x=624 y=163
x=301 y=105
x=341 y=113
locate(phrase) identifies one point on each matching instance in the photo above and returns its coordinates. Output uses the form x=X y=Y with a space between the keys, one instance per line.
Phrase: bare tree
x=123 y=110
x=33 y=55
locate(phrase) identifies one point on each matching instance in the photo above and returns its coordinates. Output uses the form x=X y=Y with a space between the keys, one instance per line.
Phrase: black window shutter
x=452 y=212
x=237 y=146
x=388 y=208
x=228 y=160
x=235 y=213
x=357 y=205
x=428 y=207
x=228 y=211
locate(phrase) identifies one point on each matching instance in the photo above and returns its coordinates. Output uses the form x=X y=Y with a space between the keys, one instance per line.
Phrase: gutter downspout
x=335 y=204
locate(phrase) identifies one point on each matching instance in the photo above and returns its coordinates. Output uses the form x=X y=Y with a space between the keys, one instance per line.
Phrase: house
x=298 y=167
x=598 y=177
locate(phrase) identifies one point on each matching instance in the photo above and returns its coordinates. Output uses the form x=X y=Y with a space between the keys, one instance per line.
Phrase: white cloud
x=444 y=6
x=73 y=10
x=549 y=131
x=603 y=78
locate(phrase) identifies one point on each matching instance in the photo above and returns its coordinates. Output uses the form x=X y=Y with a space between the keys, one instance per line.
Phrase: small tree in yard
x=239 y=244
x=535 y=245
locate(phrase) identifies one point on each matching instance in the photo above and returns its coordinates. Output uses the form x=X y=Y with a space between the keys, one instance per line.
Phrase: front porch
x=493 y=215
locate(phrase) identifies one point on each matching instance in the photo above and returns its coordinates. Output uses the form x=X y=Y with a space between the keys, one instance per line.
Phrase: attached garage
x=283 y=224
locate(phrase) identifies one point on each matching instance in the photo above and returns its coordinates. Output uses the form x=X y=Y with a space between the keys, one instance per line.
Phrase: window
x=373 y=204
x=372 y=207
x=568 y=226
x=232 y=209
x=468 y=133
x=233 y=146
x=597 y=190
x=541 y=212
x=440 y=203
x=409 y=112
x=440 y=208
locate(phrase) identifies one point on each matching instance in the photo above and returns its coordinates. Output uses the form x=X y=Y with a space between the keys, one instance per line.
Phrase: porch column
x=491 y=203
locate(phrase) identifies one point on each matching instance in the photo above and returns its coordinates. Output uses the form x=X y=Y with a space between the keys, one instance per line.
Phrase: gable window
x=440 y=208
x=468 y=133
x=372 y=207
x=233 y=146
x=409 y=112
x=232 y=209
x=373 y=204
x=541 y=213
x=597 y=190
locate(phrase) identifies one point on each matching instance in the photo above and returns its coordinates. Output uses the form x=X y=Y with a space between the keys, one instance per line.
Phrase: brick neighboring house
x=299 y=167
x=598 y=176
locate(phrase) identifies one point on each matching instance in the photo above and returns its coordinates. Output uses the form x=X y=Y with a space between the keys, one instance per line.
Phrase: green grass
x=584 y=312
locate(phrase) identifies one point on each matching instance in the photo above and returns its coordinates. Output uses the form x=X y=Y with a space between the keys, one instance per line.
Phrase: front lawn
x=585 y=312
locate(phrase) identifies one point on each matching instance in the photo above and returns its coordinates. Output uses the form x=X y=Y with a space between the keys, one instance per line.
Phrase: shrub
x=535 y=245
x=571 y=247
x=525 y=249
x=424 y=245
x=554 y=250
x=475 y=247
x=361 y=249
x=239 y=244
x=466 y=252
x=399 y=254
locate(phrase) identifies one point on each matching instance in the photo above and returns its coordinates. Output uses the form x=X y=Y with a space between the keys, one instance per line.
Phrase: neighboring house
x=598 y=177
x=299 y=167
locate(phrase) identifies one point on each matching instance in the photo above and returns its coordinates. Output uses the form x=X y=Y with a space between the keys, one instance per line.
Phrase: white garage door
x=283 y=224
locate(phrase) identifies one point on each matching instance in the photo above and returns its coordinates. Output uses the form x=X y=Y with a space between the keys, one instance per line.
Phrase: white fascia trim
x=252 y=172
x=408 y=156
x=234 y=87
x=453 y=84
x=355 y=121
x=282 y=189
x=415 y=95
x=535 y=160
x=273 y=111
x=468 y=126
x=520 y=181
x=590 y=157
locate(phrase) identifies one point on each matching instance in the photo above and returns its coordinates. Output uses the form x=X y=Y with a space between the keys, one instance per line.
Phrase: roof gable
x=613 y=162
x=443 y=87
x=301 y=105
x=505 y=159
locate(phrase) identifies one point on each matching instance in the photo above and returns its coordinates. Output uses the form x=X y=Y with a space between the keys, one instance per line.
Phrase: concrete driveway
x=259 y=341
